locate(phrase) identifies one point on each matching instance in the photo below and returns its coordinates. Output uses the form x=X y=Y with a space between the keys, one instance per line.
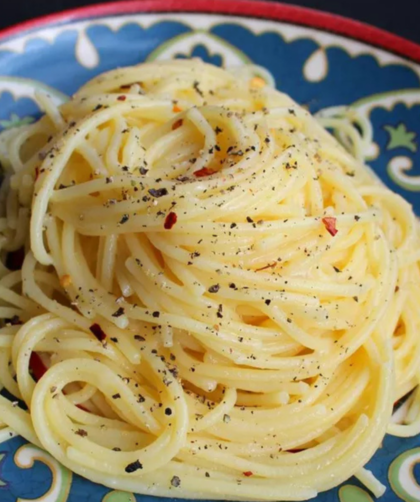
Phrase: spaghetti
x=204 y=295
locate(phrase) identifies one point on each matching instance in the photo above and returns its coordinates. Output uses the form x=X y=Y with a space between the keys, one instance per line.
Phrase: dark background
x=399 y=16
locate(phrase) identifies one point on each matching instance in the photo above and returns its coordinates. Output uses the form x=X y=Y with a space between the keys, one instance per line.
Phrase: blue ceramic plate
x=319 y=59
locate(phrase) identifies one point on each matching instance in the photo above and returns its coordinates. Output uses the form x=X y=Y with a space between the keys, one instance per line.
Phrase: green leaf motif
x=401 y=137
x=350 y=493
x=16 y=121
x=2 y=483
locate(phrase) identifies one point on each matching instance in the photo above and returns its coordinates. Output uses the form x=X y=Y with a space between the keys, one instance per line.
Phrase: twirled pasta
x=216 y=300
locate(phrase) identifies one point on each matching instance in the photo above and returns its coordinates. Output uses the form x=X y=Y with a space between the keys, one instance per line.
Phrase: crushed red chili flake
x=170 y=220
x=177 y=124
x=98 y=332
x=176 y=109
x=36 y=173
x=122 y=98
x=81 y=407
x=248 y=473
x=204 y=171
x=36 y=366
x=330 y=223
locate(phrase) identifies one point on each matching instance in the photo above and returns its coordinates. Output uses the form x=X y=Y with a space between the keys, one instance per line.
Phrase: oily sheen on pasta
x=203 y=294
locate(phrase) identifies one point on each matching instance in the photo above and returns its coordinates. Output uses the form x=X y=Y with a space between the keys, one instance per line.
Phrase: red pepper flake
x=36 y=366
x=122 y=98
x=205 y=171
x=170 y=220
x=248 y=474
x=330 y=223
x=176 y=109
x=36 y=173
x=177 y=124
x=98 y=332
x=81 y=407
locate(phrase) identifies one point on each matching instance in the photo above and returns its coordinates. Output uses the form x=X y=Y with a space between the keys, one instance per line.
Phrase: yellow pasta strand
x=216 y=299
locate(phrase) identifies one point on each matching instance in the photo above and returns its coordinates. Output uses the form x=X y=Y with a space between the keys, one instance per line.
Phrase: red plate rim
x=243 y=8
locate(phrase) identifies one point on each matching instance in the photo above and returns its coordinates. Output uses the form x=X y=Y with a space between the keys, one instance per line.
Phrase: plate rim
x=257 y=9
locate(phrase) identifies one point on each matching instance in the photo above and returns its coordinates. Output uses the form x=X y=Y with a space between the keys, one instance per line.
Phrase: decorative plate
x=319 y=59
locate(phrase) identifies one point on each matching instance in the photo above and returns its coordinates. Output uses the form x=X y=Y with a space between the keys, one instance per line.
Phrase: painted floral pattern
x=317 y=69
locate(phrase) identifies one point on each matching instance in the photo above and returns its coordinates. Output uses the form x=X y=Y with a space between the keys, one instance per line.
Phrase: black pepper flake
x=156 y=314
x=139 y=338
x=119 y=312
x=125 y=168
x=220 y=311
x=289 y=320
x=97 y=107
x=267 y=302
x=160 y=192
x=357 y=218
x=214 y=289
x=82 y=433
x=124 y=219
x=218 y=130
x=116 y=396
x=337 y=269
x=115 y=340
x=197 y=88
x=175 y=482
x=233 y=225
x=133 y=467
x=141 y=399
x=232 y=285
x=226 y=418
x=168 y=412
x=143 y=170
x=249 y=219
x=356 y=298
